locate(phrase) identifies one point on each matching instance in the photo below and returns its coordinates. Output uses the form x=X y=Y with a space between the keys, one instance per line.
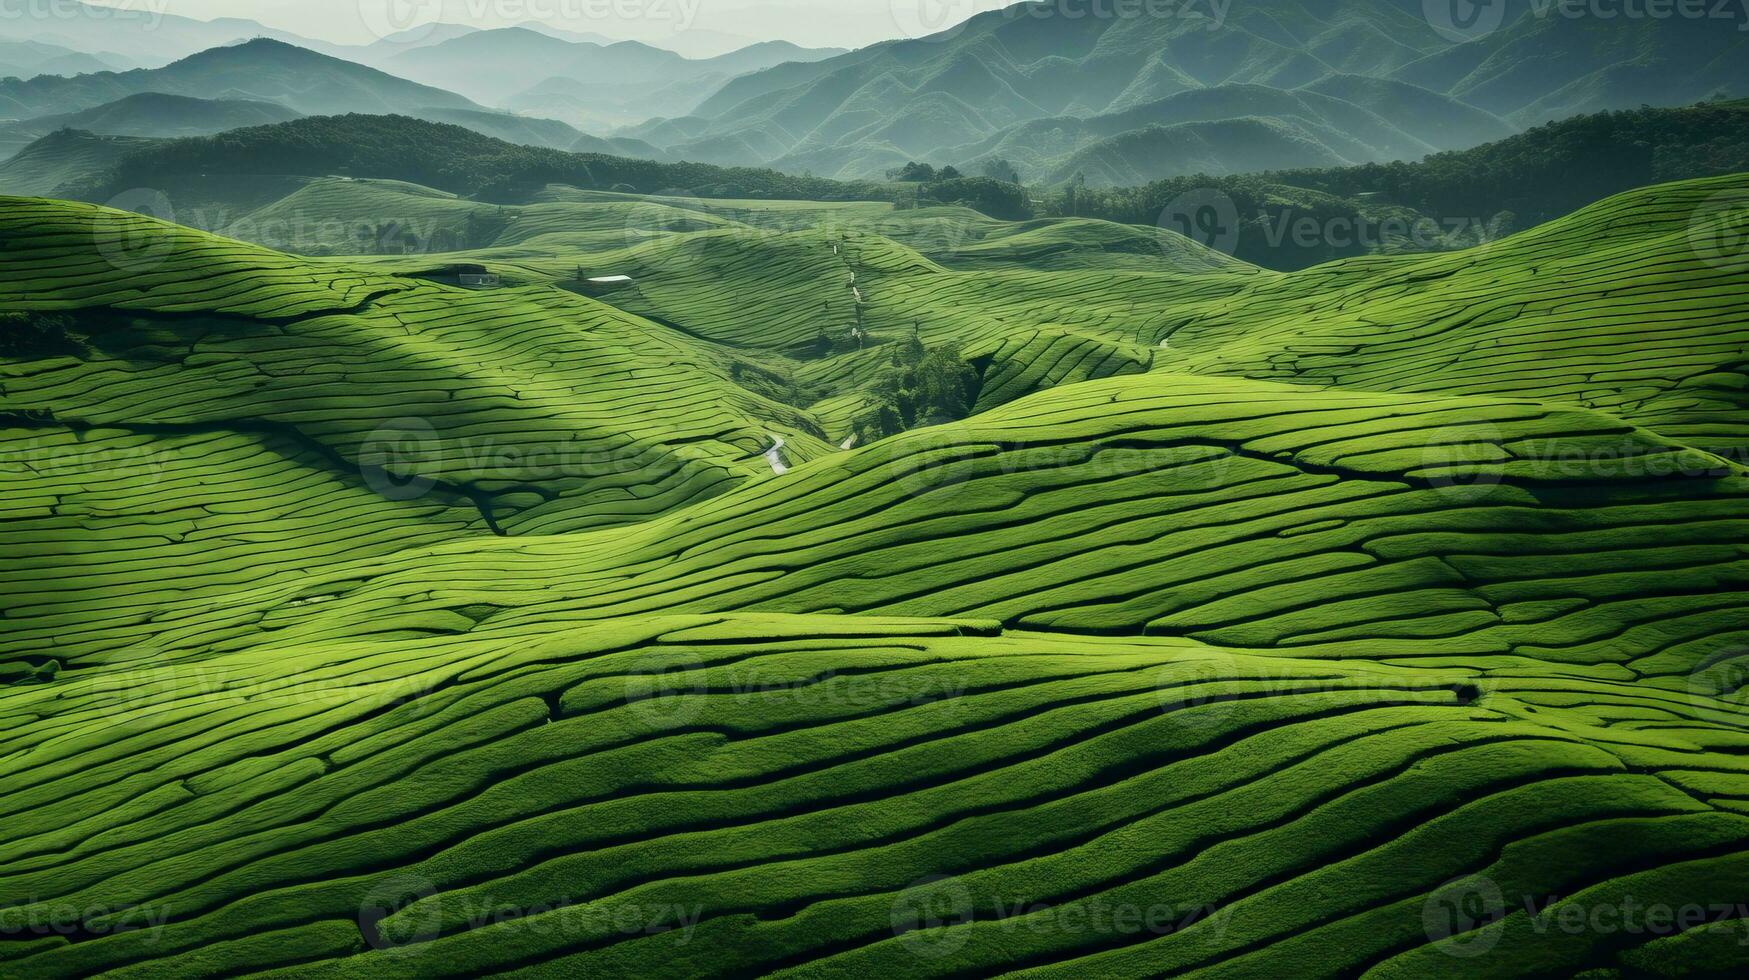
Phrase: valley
x=519 y=501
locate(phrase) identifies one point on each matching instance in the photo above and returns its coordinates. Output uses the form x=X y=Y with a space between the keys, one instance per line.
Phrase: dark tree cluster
x=454 y=159
x=1461 y=196
x=919 y=386
x=25 y=335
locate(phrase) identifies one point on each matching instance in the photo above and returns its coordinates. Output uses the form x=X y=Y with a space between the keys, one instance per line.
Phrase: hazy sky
x=844 y=23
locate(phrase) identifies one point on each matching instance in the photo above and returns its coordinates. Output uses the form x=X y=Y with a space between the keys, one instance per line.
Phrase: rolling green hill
x=260 y=70
x=63 y=162
x=524 y=130
x=446 y=157
x=148 y=114
x=1451 y=199
x=804 y=795
x=1218 y=324
x=1380 y=618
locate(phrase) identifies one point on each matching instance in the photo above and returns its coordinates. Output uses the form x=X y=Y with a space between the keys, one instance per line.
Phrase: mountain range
x=27 y=59
x=148 y=114
x=1051 y=93
x=580 y=81
x=1056 y=89
x=261 y=70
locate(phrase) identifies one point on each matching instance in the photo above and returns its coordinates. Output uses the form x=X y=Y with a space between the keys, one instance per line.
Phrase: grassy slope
x=59 y=159
x=1635 y=306
x=1435 y=608
x=794 y=786
x=219 y=345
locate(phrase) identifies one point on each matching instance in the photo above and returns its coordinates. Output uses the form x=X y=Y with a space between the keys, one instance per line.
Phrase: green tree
x=913 y=172
x=1000 y=169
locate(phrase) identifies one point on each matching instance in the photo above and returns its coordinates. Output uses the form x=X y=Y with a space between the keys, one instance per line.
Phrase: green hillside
x=1451 y=199
x=447 y=157
x=148 y=114
x=63 y=162
x=797 y=794
x=260 y=70
x=1380 y=618
x=1234 y=128
x=524 y=130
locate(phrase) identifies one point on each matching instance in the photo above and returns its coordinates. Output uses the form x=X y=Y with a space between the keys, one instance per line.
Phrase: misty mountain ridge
x=1053 y=88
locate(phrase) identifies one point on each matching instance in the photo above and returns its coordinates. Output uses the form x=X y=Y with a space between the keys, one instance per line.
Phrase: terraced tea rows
x=104 y=525
x=1638 y=306
x=1154 y=665
x=537 y=412
x=1238 y=513
x=838 y=796
x=1633 y=306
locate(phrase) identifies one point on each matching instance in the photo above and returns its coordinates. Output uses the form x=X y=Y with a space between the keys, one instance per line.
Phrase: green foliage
x=1000 y=169
x=1539 y=175
x=449 y=158
x=912 y=172
x=995 y=198
x=776 y=384
x=919 y=386
x=25 y=335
